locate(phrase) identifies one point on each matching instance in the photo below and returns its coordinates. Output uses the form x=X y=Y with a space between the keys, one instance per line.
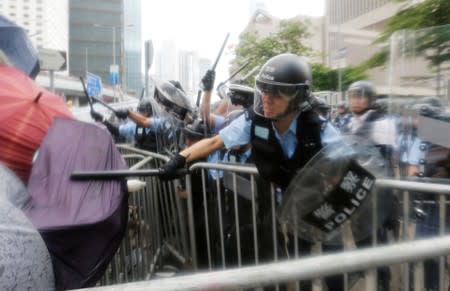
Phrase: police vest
x=366 y=130
x=145 y=140
x=268 y=155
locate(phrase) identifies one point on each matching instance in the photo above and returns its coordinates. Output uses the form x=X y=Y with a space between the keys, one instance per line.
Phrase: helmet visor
x=286 y=91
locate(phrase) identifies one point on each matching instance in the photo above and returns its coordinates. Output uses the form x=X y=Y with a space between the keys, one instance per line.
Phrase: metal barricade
x=217 y=237
x=224 y=235
x=156 y=232
x=298 y=269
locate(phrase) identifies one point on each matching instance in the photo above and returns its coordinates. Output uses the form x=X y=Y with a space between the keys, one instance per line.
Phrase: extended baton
x=118 y=174
x=87 y=94
x=220 y=52
x=104 y=104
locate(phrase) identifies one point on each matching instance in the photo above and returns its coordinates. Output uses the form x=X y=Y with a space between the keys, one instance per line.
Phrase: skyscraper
x=104 y=33
x=45 y=21
x=352 y=27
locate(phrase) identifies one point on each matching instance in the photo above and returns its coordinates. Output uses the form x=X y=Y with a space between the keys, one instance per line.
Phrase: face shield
x=174 y=101
x=294 y=94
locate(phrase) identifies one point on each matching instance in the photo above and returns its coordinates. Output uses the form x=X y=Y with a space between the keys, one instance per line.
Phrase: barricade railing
x=298 y=269
x=156 y=231
x=218 y=228
x=216 y=253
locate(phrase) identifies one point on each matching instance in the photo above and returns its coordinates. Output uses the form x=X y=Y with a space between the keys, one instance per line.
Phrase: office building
x=104 y=36
x=45 y=28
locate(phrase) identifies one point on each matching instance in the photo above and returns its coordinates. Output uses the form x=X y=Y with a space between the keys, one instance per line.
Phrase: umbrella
x=25 y=260
x=82 y=223
x=17 y=47
x=26 y=113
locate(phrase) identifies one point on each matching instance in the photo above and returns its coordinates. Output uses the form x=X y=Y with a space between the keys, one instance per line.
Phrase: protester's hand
x=208 y=80
x=96 y=116
x=122 y=113
x=169 y=170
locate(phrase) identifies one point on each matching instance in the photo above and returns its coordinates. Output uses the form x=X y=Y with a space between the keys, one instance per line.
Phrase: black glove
x=208 y=80
x=169 y=170
x=122 y=113
x=96 y=116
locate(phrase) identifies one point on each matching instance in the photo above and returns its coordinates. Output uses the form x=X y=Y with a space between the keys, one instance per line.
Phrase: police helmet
x=173 y=99
x=319 y=103
x=342 y=105
x=428 y=106
x=241 y=95
x=176 y=84
x=145 y=107
x=362 y=88
x=288 y=76
x=196 y=130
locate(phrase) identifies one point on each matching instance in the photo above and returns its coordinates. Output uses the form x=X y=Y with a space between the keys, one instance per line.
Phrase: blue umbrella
x=16 y=45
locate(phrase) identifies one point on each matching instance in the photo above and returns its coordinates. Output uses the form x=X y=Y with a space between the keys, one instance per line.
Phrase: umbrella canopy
x=25 y=259
x=26 y=113
x=82 y=223
x=17 y=47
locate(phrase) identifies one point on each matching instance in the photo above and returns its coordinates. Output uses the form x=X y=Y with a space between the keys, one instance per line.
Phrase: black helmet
x=173 y=99
x=288 y=76
x=429 y=106
x=342 y=105
x=176 y=84
x=196 y=130
x=241 y=95
x=145 y=107
x=363 y=88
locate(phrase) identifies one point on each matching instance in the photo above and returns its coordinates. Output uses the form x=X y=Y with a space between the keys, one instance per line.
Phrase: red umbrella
x=26 y=112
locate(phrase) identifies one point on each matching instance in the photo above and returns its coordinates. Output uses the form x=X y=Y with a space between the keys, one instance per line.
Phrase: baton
x=220 y=52
x=104 y=104
x=234 y=74
x=118 y=174
x=87 y=95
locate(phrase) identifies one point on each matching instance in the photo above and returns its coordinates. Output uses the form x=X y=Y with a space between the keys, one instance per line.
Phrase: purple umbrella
x=82 y=223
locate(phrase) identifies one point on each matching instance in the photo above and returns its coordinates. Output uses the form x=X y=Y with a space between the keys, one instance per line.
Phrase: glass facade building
x=101 y=33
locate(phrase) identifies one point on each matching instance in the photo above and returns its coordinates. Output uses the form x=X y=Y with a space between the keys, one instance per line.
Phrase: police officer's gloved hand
x=169 y=170
x=208 y=80
x=97 y=116
x=122 y=113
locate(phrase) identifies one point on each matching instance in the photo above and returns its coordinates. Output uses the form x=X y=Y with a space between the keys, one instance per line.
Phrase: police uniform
x=145 y=137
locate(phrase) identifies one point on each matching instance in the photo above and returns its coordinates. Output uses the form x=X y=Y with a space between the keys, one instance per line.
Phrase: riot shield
x=335 y=187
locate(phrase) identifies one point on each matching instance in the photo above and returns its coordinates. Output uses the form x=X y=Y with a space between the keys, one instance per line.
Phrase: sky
x=202 y=25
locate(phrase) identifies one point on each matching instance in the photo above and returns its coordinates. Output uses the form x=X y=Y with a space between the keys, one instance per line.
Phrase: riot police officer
x=283 y=133
x=145 y=137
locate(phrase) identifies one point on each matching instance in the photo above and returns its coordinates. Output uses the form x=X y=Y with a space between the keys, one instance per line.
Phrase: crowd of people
x=279 y=126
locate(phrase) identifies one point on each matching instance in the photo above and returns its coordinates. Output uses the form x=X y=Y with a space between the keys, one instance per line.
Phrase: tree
x=429 y=13
x=257 y=50
x=289 y=38
x=326 y=79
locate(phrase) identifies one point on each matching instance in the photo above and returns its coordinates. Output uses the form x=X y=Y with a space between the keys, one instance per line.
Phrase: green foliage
x=427 y=14
x=257 y=50
x=326 y=79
